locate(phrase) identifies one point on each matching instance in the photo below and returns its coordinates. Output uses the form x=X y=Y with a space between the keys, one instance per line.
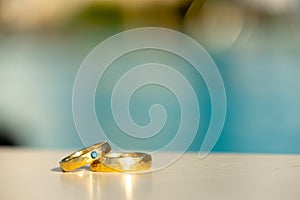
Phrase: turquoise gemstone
x=94 y=154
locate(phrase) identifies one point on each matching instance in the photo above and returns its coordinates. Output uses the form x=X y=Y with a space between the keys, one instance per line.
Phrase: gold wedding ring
x=122 y=162
x=84 y=156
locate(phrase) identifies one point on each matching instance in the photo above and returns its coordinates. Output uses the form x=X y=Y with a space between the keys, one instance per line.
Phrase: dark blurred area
x=255 y=44
x=5 y=137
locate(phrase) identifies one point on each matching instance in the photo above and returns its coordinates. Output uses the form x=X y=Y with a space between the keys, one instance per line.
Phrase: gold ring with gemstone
x=122 y=162
x=84 y=156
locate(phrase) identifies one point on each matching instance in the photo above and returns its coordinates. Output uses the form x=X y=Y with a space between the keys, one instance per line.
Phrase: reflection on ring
x=122 y=162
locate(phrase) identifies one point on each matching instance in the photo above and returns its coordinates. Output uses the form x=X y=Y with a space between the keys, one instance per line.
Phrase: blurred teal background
x=256 y=46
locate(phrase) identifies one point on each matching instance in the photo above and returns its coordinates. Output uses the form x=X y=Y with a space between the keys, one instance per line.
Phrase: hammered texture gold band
x=84 y=156
x=122 y=162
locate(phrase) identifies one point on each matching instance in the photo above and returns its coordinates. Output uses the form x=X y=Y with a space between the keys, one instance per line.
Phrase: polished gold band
x=122 y=162
x=84 y=156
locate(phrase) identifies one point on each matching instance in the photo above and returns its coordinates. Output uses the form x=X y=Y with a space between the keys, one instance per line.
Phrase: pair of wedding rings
x=100 y=159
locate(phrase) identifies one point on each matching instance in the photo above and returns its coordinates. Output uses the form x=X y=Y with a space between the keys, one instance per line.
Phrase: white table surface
x=34 y=174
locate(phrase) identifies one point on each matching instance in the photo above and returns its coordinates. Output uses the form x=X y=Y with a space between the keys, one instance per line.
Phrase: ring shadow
x=84 y=168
